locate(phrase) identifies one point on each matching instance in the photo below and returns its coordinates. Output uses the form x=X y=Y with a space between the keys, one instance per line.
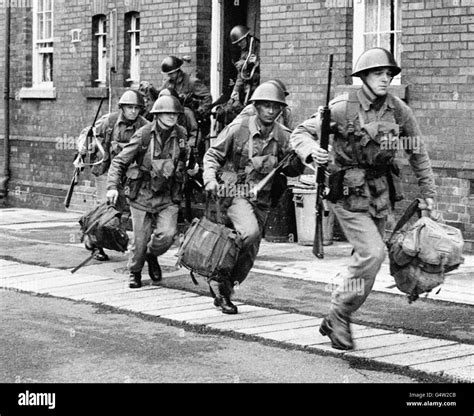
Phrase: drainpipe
x=6 y=138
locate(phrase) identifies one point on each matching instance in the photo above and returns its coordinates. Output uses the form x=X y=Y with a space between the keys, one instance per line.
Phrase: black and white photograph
x=236 y=193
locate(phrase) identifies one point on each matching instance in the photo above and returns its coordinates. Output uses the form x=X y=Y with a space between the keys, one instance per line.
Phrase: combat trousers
x=243 y=217
x=152 y=233
x=365 y=234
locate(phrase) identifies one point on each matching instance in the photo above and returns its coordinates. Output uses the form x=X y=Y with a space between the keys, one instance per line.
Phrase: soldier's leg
x=363 y=233
x=142 y=229
x=165 y=228
x=241 y=214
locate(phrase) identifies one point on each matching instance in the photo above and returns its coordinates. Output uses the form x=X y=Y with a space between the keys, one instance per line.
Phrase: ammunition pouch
x=336 y=186
x=133 y=182
x=355 y=190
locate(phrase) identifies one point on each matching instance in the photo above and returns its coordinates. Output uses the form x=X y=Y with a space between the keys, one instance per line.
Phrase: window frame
x=359 y=33
x=134 y=48
x=100 y=38
x=42 y=45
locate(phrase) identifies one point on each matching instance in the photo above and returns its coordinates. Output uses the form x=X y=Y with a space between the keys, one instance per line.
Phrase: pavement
x=442 y=359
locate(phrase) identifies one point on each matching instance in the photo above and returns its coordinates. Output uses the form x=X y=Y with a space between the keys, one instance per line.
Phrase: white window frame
x=42 y=44
x=359 y=33
x=101 y=36
x=134 y=40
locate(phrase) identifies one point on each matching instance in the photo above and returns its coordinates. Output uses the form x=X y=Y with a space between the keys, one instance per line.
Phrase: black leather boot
x=154 y=269
x=100 y=255
x=135 y=280
x=222 y=298
x=337 y=327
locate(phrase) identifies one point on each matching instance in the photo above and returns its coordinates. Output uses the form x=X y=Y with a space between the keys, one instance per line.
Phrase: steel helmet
x=168 y=91
x=268 y=91
x=171 y=64
x=167 y=104
x=279 y=84
x=131 y=97
x=375 y=58
x=238 y=33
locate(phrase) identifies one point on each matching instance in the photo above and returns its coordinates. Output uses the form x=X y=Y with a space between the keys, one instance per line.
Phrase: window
x=377 y=23
x=43 y=44
x=99 y=59
x=132 y=22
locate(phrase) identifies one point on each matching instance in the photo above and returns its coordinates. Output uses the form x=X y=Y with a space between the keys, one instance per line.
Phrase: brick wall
x=43 y=131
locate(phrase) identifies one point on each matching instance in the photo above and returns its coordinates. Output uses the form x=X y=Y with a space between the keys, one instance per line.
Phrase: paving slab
x=150 y=298
x=262 y=330
x=214 y=315
x=263 y=321
x=443 y=365
x=416 y=344
x=425 y=356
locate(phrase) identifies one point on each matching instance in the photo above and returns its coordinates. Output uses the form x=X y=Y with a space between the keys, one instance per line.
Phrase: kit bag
x=422 y=253
x=102 y=228
x=208 y=248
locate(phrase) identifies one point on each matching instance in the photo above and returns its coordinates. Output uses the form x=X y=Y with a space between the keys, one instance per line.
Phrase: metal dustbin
x=280 y=226
x=305 y=213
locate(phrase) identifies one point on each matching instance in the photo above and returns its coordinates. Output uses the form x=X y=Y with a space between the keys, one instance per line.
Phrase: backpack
x=421 y=254
x=209 y=249
x=101 y=228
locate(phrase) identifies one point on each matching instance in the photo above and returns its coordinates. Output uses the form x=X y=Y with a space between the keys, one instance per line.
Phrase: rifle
x=318 y=249
x=259 y=186
x=78 y=169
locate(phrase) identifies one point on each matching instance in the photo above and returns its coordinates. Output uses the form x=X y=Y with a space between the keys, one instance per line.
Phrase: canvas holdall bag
x=102 y=228
x=422 y=253
x=208 y=248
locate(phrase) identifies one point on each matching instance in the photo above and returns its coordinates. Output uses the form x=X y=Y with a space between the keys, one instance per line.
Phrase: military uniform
x=192 y=92
x=367 y=132
x=241 y=156
x=245 y=84
x=153 y=163
x=113 y=131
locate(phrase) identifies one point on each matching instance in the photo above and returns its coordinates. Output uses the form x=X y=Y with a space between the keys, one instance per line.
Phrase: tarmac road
x=50 y=340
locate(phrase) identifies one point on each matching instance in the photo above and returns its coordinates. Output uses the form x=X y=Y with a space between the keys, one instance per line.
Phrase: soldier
x=242 y=155
x=150 y=94
x=247 y=66
x=191 y=91
x=285 y=116
x=113 y=131
x=158 y=152
x=368 y=124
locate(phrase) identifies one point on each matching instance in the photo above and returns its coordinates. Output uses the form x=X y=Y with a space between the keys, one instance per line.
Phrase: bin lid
x=308 y=180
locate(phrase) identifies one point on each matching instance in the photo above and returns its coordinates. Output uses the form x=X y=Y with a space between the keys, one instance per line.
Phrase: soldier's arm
x=123 y=160
x=417 y=153
x=217 y=154
x=305 y=137
x=201 y=92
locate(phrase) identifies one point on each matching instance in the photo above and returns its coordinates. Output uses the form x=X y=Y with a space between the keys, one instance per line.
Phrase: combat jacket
x=113 y=131
x=376 y=134
x=192 y=93
x=231 y=162
x=154 y=165
x=244 y=83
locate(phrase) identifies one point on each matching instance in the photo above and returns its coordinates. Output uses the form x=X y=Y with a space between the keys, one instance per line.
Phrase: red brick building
x=65 y=56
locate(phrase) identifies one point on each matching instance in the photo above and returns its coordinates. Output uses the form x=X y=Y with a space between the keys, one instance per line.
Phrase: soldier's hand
x=211 y=187
x=194 y=171
x=112 y=196
x=427 y=206
x=320 y=156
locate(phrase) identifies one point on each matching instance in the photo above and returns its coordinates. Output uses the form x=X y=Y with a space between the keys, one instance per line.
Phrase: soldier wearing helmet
x=247 y=66
x=285 y=116
x=369 y=125
x=152 y=165
x=243 y=154
x=191 y=91
x=112 y=132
